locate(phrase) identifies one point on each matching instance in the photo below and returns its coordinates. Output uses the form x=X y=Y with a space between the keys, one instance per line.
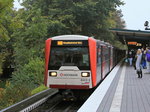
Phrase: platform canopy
x=133 y=37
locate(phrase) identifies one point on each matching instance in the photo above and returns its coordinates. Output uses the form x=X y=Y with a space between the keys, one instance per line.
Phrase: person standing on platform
x=148 y=58
x=143 y=58
x=134 y=58
x=138 y=63
x=130 y=58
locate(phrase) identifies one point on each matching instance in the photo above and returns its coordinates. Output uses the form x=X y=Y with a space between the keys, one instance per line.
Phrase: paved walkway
x=127 y=93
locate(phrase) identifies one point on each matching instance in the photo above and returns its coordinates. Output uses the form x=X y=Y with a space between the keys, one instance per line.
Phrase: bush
x=33 y=72
x=39 y=89
x=1 y=93
x=13 y=94
x=23 y=81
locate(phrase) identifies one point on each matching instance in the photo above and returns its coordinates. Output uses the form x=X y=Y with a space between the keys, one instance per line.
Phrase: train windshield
x=69 y=56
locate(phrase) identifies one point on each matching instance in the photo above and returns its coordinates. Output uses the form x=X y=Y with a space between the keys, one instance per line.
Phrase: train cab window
x=69 y=56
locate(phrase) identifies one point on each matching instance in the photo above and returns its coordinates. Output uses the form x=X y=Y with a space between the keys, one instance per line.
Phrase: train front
x=68 y=62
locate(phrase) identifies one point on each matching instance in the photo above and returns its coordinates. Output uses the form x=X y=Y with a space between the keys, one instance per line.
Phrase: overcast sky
x=17 y=4
x=135 y=12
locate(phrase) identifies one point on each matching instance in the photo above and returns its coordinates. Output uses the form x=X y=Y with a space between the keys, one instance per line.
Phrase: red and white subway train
x=78 y=63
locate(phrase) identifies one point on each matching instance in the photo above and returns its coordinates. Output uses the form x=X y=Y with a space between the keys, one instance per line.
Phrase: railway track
x=47 y=101
x=56 y=104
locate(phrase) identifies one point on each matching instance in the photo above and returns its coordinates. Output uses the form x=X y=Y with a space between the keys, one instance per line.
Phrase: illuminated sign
x=60 y=43
x=138 y=44
x=68 y=43
x=132 y=43
x=63 y=43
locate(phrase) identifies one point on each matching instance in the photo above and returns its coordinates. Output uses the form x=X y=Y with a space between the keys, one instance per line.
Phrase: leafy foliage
x=86 y=17
x=1 y=61
x=13 y=94
x=30 y=73
x=5 y=32
x=5 y=7
x=30 y=37
x=39 y=89
x=22 y=83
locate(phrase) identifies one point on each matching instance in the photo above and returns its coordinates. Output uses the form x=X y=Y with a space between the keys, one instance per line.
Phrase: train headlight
x=85 y=74
x=53 y=74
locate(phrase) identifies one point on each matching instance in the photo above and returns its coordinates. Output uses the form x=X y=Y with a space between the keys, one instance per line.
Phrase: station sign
x=134 y=43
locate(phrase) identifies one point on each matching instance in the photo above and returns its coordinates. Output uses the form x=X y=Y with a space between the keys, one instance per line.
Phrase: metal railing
x=31 y=102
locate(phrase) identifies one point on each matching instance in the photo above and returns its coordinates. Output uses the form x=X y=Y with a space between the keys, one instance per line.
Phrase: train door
x=107 y=60
x=111 y=57
x=103 y=62
x=114 y=56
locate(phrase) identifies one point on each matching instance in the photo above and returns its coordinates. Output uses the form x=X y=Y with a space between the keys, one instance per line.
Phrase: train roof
x=70 y=37
x=104 y=43
x=78 y=37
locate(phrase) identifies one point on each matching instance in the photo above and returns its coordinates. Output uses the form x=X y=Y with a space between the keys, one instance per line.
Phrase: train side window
x=98 y=55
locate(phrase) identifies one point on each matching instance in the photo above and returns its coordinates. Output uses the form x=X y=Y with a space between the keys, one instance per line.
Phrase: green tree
x=86 y=17
x=30 y=38
x=5 y=29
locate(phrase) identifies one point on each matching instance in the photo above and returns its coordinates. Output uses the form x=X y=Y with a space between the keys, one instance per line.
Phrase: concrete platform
x=126 y=93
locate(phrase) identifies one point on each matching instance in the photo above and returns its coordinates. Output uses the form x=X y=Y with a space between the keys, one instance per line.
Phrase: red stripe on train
x=47 y=57
x=92 y=51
